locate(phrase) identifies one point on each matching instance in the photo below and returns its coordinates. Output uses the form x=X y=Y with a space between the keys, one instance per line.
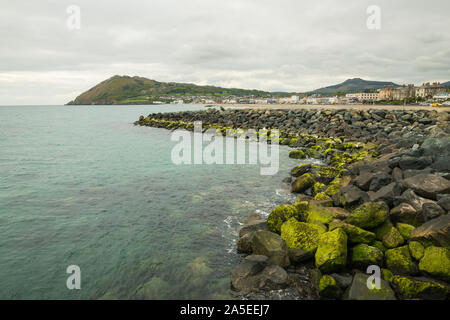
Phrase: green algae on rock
x=419 y=288
x=280 y=215
x=301 y=235
x=363 y=255
x=405 y=230
x=355 y=234
x=393 y=238
x=399 y=261
x=369 y=215
x=297 y=154
x=303 y=183
x=359 y=290
x=328 y=288
x=317 y=213
x=436 y=262
x=416 y=249
x=331 y=254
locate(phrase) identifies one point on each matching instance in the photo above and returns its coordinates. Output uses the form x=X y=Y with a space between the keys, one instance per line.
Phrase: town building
x=363 y=96
x=404 y=92
x=386 y=93
x=429 y=90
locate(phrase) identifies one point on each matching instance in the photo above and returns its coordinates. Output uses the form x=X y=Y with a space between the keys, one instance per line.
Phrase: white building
x=363 y=96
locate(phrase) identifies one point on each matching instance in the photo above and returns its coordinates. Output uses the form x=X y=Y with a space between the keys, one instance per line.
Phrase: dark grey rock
x=388 y=193
x=380 y=179
x=428 y=185
x=437 y=231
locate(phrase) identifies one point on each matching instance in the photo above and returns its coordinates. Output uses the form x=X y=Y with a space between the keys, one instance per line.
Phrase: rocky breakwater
x=381 y=198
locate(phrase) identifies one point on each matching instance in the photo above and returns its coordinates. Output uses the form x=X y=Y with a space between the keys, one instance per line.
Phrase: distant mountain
x=446 y=84
x=138 y=90
x=354 y=85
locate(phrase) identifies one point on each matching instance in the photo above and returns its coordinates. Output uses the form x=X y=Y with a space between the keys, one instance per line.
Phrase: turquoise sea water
x=80 y=185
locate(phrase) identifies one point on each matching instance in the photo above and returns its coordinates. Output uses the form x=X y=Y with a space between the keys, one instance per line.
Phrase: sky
x=282 y=45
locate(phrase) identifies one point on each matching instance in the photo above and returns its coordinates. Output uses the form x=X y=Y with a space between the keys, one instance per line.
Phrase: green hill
x=138 y=90
x=354 y=85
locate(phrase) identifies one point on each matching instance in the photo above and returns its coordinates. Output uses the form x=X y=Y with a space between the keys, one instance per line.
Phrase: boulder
x=363 y=255
x=280 y=215
x=413 y=199
x=436 y=262
x=416 y=250
x=343 y=280
x=399 y=261
x=444 y=201
x=428 y=185
x=350 y=196
x=321 y=214
x=416 y=163
x=254 y=225
x=359 y=290
x=397 y=174
x=301 y=235
x=297 y=154
x=256 y=273
x=435 y=231
x=380 y=179
x=393 y=238
x=354 y=234
x=298 y=256
x=405 y=230
x=244 y=244
x=331 y=254
x=405 y=213
x=270 y=244
x=302 y=183
x=369 y=215
x=301 y=169
x=419 y=288
x=328 y=288
x=387 y=193
x=432 y=210
x=363 y=180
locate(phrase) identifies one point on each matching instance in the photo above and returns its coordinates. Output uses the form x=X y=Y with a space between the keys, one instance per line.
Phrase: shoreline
x=381 y=198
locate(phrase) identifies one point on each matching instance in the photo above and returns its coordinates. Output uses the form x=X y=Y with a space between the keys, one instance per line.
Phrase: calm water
x=83 y=186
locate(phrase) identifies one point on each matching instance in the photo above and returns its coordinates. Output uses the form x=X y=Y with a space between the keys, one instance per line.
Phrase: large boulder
x=432 y=210
x=301 y=169
x=317 y=213
x=436 y=231
x=399 y=261
x=328 y=288
x=280 y=215
x=393 y=238
x=369 y=215
x=416 y=250
x=359 y=289
x=252 y=226
x=270 y=244
x=410 y=197
x=444 y=201
x=298 y=256
x=257 y=273
x=387 y=193
x=363 y=255
x=415 y=163
x=419 y=288
x=436 y=262
x=380 y=179
x=428 y=185
x=297 y=154
x=406 y=213
x=350 y=196
x=302 y=183
x=363 y=180
x=331 y=254
x=355 y=234
x=301 y=235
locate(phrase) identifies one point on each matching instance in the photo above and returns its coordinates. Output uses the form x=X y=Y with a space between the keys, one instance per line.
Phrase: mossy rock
x=386 y=274
x=334 y=187
x=393 y=239
x=399 y=261
x=363 y=255
x=319 y=213
x=383 y=229
x=303 y=183
x=328 y=288
x=326 y=174
x=297 y=154
x=318 y=187
x=419 y=288
x=300 y=235
x=405 y=230
x=355 y=234
x=280 y=215
x=436 y=262
x=359 y=289
x=322 y=196
x=416 y=249
x=379 y=245
x=369 y=215
x=331 y=254
x=313 y=150
x=301 y=169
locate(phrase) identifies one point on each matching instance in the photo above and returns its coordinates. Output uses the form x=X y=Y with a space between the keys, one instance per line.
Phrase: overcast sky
x=277 y=45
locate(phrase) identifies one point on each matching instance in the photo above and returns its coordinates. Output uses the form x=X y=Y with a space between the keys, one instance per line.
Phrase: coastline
x=383 y=187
